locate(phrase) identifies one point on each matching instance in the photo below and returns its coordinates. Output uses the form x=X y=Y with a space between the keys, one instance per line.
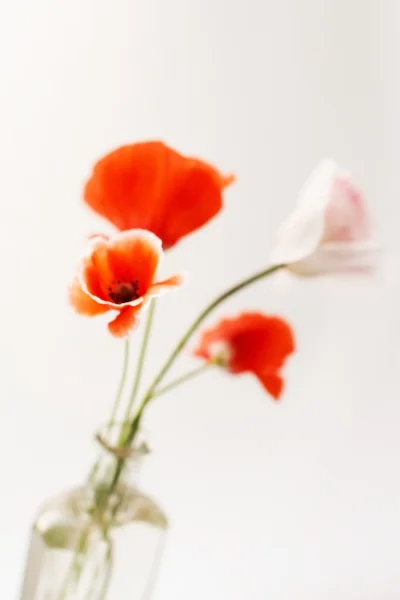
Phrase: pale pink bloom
x=330 y=230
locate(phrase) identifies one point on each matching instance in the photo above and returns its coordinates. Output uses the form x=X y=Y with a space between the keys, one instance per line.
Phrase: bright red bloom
x=150 y=186
x=118 y=274
x=250 y=342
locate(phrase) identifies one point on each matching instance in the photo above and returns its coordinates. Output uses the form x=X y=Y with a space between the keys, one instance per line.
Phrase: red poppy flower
x=150 y=186
x=118 y=273
x=250 y=342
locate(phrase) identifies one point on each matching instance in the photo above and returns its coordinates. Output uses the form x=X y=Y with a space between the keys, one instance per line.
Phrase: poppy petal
x=94 y=236
x=130 y=257
x=250 y=343
x=195 y=198
x=101 y=263
x=260 y=341
x=347 y=217
x=340 y=257
x=124 y=322
x=126 y=184
x=166 y=285
x=83 y=303
x=116 y=273
x=227 y=180
x=273 y=383
x=135 y=255
x=150 y=186
x=301 y=233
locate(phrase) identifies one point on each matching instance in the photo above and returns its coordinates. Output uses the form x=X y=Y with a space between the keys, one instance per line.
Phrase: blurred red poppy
x=118 y=273
x=150 y=186
x=250 y=342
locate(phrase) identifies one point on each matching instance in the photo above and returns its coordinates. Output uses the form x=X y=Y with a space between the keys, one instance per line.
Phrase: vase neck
x=114 y=455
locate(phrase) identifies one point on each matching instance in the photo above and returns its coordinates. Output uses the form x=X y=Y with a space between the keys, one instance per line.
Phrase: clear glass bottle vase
x=90 y=544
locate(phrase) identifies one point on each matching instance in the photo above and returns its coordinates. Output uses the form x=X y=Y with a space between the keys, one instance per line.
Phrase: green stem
x=76 y=566
x=121 y=383
x=142 y=356
x=134 y=426
x=183 y=379
x=107 y=575
x=194 y=326
x=116 y=404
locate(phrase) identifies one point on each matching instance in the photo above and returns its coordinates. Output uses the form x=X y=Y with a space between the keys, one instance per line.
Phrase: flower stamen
x=124 y=291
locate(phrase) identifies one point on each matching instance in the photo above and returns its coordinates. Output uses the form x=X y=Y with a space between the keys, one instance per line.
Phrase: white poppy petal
x=298 y=237
x=347 y=218
x=316 y=191
x=339 y=258
x=301 y=233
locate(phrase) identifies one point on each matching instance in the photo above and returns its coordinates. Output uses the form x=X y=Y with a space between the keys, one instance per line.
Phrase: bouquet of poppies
x=155 y=197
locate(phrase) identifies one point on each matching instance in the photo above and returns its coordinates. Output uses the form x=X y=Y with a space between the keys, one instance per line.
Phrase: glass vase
x=99 y=541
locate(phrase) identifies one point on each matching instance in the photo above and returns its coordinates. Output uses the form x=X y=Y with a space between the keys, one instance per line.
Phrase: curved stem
x=196 y=323
x=186 y=337
x=116 y=404
x=183 y=379
x=121 y=383
x=134 y=426
x=142 y=356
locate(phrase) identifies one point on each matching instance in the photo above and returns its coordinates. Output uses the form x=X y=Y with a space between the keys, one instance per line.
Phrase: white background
x=299 y=500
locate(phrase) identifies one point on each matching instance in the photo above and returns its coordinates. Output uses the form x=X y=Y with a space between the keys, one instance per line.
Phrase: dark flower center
x=124 y=291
